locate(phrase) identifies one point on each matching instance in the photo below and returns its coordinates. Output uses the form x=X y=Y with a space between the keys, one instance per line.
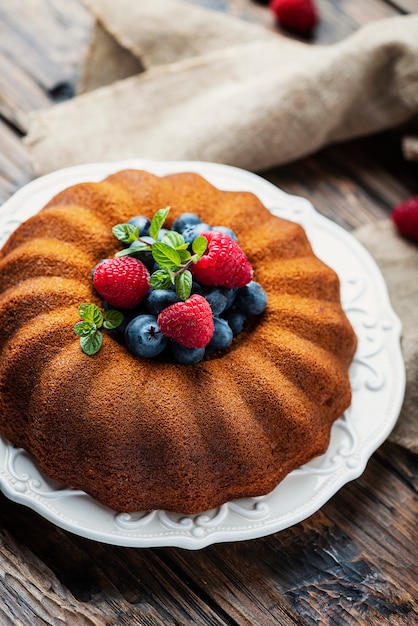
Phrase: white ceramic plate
x=377 y=377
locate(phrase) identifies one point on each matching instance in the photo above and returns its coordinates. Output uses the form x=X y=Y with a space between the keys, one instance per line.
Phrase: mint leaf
x=184 y=255
x=82 y=329
x=113 y=319
x=199 y=246
x=165 y=255
x=157 y=221
x=184 y=284
x=91 y=338
x=126 y=233
x=91 y=314
x=173 y=239
x=92 y=343
x=161 y=279
x=132 y=250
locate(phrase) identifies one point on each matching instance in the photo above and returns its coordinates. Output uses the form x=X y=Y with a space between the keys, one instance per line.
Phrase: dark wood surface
x=355 y=560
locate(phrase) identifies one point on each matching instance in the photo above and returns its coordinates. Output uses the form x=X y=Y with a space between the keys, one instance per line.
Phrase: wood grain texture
x=353 y=184
x=352 y=563
x=343 y=562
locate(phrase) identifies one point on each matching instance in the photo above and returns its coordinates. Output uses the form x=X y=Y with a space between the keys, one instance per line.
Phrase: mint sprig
x=171 y=254
x=157 y=222
x=91 y=338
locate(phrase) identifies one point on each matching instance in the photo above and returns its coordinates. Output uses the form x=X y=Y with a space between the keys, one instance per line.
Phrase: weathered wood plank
x=344 y=559
x=15 y=164
x=18 y=94
x=352 y=184
x=69 y=578
x=337 y=19
x=47 y=39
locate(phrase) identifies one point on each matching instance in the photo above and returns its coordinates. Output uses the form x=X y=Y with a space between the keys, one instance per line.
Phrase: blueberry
x=144 y=256
x=197 y=287
x=230 y=296
x=147 y=239
x=158 y=299
x=217 y=301
x=187 y=356
x=193 y=231
x=143 y=336
x=251 y=299
x=222 y=337
x=142 y=222
x=163 y=231
x=236 y=320
x=226 y=231
x=185 y=219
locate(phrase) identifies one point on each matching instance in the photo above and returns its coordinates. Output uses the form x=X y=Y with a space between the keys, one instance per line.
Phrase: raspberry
x=122 y=281
x=224 y=264
x=299 y=16
x=405 y=216
x=190 y=323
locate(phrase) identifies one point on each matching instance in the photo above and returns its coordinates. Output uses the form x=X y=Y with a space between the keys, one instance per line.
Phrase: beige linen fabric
x=170 y=30
x=107 y=61
x=398 y=260
x=218 y=89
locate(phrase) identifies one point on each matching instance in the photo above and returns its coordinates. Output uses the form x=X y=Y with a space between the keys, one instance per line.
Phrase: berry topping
x=143 y=336
x=184 y=220
x=190 y=323
x=251 y=299
x=223 y=264
x=194 y=230
x=236 y=320
x=222 y=335
x=141 y=223
x=186 y=356
x=185 y=292
x=217 y=301
x=123 y=282
x=405 y=216
x=158 y=299
x=299 y=16
x=226 y=231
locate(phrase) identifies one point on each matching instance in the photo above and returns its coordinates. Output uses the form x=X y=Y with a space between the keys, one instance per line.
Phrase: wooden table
x=352 y=562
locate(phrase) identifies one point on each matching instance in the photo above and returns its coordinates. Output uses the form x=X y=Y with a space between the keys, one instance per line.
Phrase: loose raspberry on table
x=224 y=263
x=190 y=323
x=122 y=282
x=405 y=216
x=300 y=16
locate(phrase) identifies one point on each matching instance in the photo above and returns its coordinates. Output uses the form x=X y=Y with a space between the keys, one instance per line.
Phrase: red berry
x=299 y=16
x=122 y=281
x=190 y=323
x=224 y=263
x=405 y=216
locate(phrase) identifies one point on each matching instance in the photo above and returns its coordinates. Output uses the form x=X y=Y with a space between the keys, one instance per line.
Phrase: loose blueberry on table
x=179 y=293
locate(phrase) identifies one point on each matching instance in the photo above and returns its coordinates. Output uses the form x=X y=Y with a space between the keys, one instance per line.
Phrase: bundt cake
x=143 y=434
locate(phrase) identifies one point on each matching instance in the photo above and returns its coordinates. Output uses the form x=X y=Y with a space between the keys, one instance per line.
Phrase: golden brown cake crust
x=139 y=434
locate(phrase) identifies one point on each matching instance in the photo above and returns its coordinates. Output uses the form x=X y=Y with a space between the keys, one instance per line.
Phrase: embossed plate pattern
x=377 y=377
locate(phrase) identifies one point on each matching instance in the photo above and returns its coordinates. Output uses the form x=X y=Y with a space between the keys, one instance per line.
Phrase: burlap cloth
x=170 y=80
x=398 y=260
